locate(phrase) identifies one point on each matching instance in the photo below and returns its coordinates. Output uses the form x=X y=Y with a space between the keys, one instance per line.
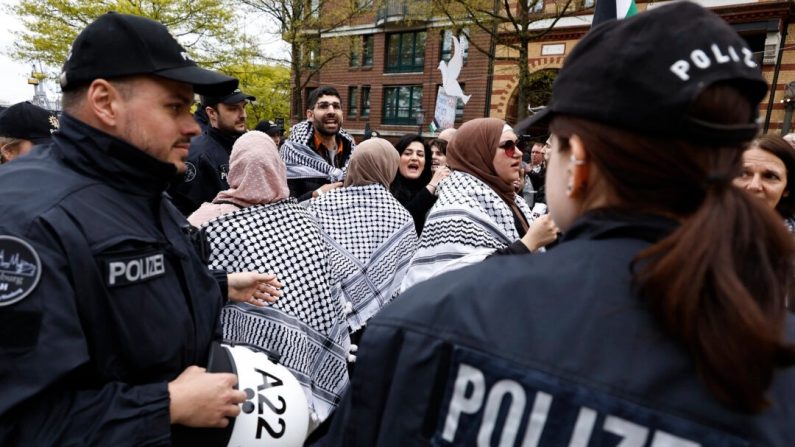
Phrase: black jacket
x=123 y=303
x=542 y=350
x=208 y=166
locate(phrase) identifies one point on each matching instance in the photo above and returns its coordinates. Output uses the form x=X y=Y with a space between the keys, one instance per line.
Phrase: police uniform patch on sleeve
x=223 y=171
x=20 y=269
x=123 y=269
x=190 y=171
x=492 y=401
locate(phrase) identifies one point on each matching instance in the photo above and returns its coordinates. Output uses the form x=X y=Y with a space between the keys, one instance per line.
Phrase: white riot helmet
x=275 y=412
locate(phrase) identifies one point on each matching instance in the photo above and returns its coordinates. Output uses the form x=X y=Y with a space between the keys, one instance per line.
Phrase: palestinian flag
x=613 y=9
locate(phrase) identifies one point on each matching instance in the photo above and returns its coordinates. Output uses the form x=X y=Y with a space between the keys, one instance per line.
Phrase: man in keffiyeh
x=370 y=234
x=318 y=149
x=254 y=225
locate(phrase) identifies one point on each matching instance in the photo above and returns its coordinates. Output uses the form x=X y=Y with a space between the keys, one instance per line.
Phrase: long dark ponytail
x=719 y=282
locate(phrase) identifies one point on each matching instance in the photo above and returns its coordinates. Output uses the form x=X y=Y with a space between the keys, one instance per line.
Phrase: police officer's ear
x=104 y=101
x=579 y=166
x=212 y=115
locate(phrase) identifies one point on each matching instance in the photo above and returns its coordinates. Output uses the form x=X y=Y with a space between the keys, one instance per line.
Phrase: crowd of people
x=621 y=280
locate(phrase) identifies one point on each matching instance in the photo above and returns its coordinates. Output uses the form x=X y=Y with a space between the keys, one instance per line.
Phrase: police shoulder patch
x=20 y=269
x=190 y=171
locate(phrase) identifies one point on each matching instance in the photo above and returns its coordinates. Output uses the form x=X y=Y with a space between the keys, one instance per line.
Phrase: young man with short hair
x=318 y=148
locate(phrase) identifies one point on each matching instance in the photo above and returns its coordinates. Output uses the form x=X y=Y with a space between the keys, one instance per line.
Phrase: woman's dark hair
x=719 y=282
x=440 y=143
x=402 y=188
x=781 y=149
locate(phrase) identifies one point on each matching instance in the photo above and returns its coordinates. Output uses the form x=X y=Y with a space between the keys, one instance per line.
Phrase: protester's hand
x=541 y=232
x=327 y=187
x=439 y=175
x=202 y=399
x=254 y=288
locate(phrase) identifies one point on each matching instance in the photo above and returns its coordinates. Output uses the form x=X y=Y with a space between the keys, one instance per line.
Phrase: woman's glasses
x=510 y=147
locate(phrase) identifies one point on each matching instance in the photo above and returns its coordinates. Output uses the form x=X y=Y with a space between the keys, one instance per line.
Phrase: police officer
x=107 y=310
x=208 y=163
x=23 y=126
x=660 y=318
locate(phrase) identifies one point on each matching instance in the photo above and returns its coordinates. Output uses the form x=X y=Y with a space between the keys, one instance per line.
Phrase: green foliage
x=269 y=84
x=206 y=28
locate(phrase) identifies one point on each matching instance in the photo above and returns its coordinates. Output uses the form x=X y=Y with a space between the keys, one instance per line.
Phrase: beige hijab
x=257 y=174
x=472 y=150
x=374 y=161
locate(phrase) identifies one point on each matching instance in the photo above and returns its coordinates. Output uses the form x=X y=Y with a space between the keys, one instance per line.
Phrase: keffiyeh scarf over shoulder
x=468 y=222
x=372 y=239
x=302 y=161
x=306 y=326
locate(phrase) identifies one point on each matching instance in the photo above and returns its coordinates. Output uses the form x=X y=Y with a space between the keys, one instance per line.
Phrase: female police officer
x=660 y=317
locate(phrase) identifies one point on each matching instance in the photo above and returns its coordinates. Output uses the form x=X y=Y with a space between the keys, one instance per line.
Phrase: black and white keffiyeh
x=468 y=222
x=307 y=325
x=302 y=161
x=371 y=238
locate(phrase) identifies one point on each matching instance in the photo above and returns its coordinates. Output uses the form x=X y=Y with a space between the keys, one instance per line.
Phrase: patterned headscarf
x=257 y=174
x=375 y=161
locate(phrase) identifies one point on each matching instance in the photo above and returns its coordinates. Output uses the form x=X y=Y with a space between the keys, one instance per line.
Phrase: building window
x=367 y=51
x=588 y=3
x=364 y=3
x=538 y=6
x=307 y=91
x=352 y=102
x=365 y=101
x=402 y=104
x=353 y=56
x=446 y=51
x=405 y=52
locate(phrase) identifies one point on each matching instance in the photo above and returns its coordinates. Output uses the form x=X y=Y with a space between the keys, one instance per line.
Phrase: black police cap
x=28 y=122
x=116 y=45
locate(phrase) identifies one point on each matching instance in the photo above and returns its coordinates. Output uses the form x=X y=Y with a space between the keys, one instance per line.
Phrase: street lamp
x=789 y=105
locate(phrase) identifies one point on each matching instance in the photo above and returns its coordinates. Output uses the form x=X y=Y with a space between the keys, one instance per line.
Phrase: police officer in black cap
x=23 y=126
x=107 y=310
x=208 y=162
x=273 y=129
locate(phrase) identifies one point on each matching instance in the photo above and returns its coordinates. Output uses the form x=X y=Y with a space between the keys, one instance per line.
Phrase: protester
x=768 y=173
x=107 y=309
x=537 y=171
x=319 y=148
x=438 y=154
x=415 y=185
x=658 y=320
x=273 y=130
x=370 y=234
x=478 y=214
x=447 y=134
x=255 y=225
x=23 y=126
x=208 y=161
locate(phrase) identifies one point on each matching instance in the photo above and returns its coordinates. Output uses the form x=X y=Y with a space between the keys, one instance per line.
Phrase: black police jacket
x=115 y=300
x=207 y=169
x=547 y=349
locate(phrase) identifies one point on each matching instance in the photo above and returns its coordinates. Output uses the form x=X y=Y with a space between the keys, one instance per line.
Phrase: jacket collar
x=225 y=140
x=613 y=223
x=114 y=161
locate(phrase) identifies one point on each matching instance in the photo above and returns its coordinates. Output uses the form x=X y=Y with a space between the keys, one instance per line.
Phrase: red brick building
x=389 y=79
